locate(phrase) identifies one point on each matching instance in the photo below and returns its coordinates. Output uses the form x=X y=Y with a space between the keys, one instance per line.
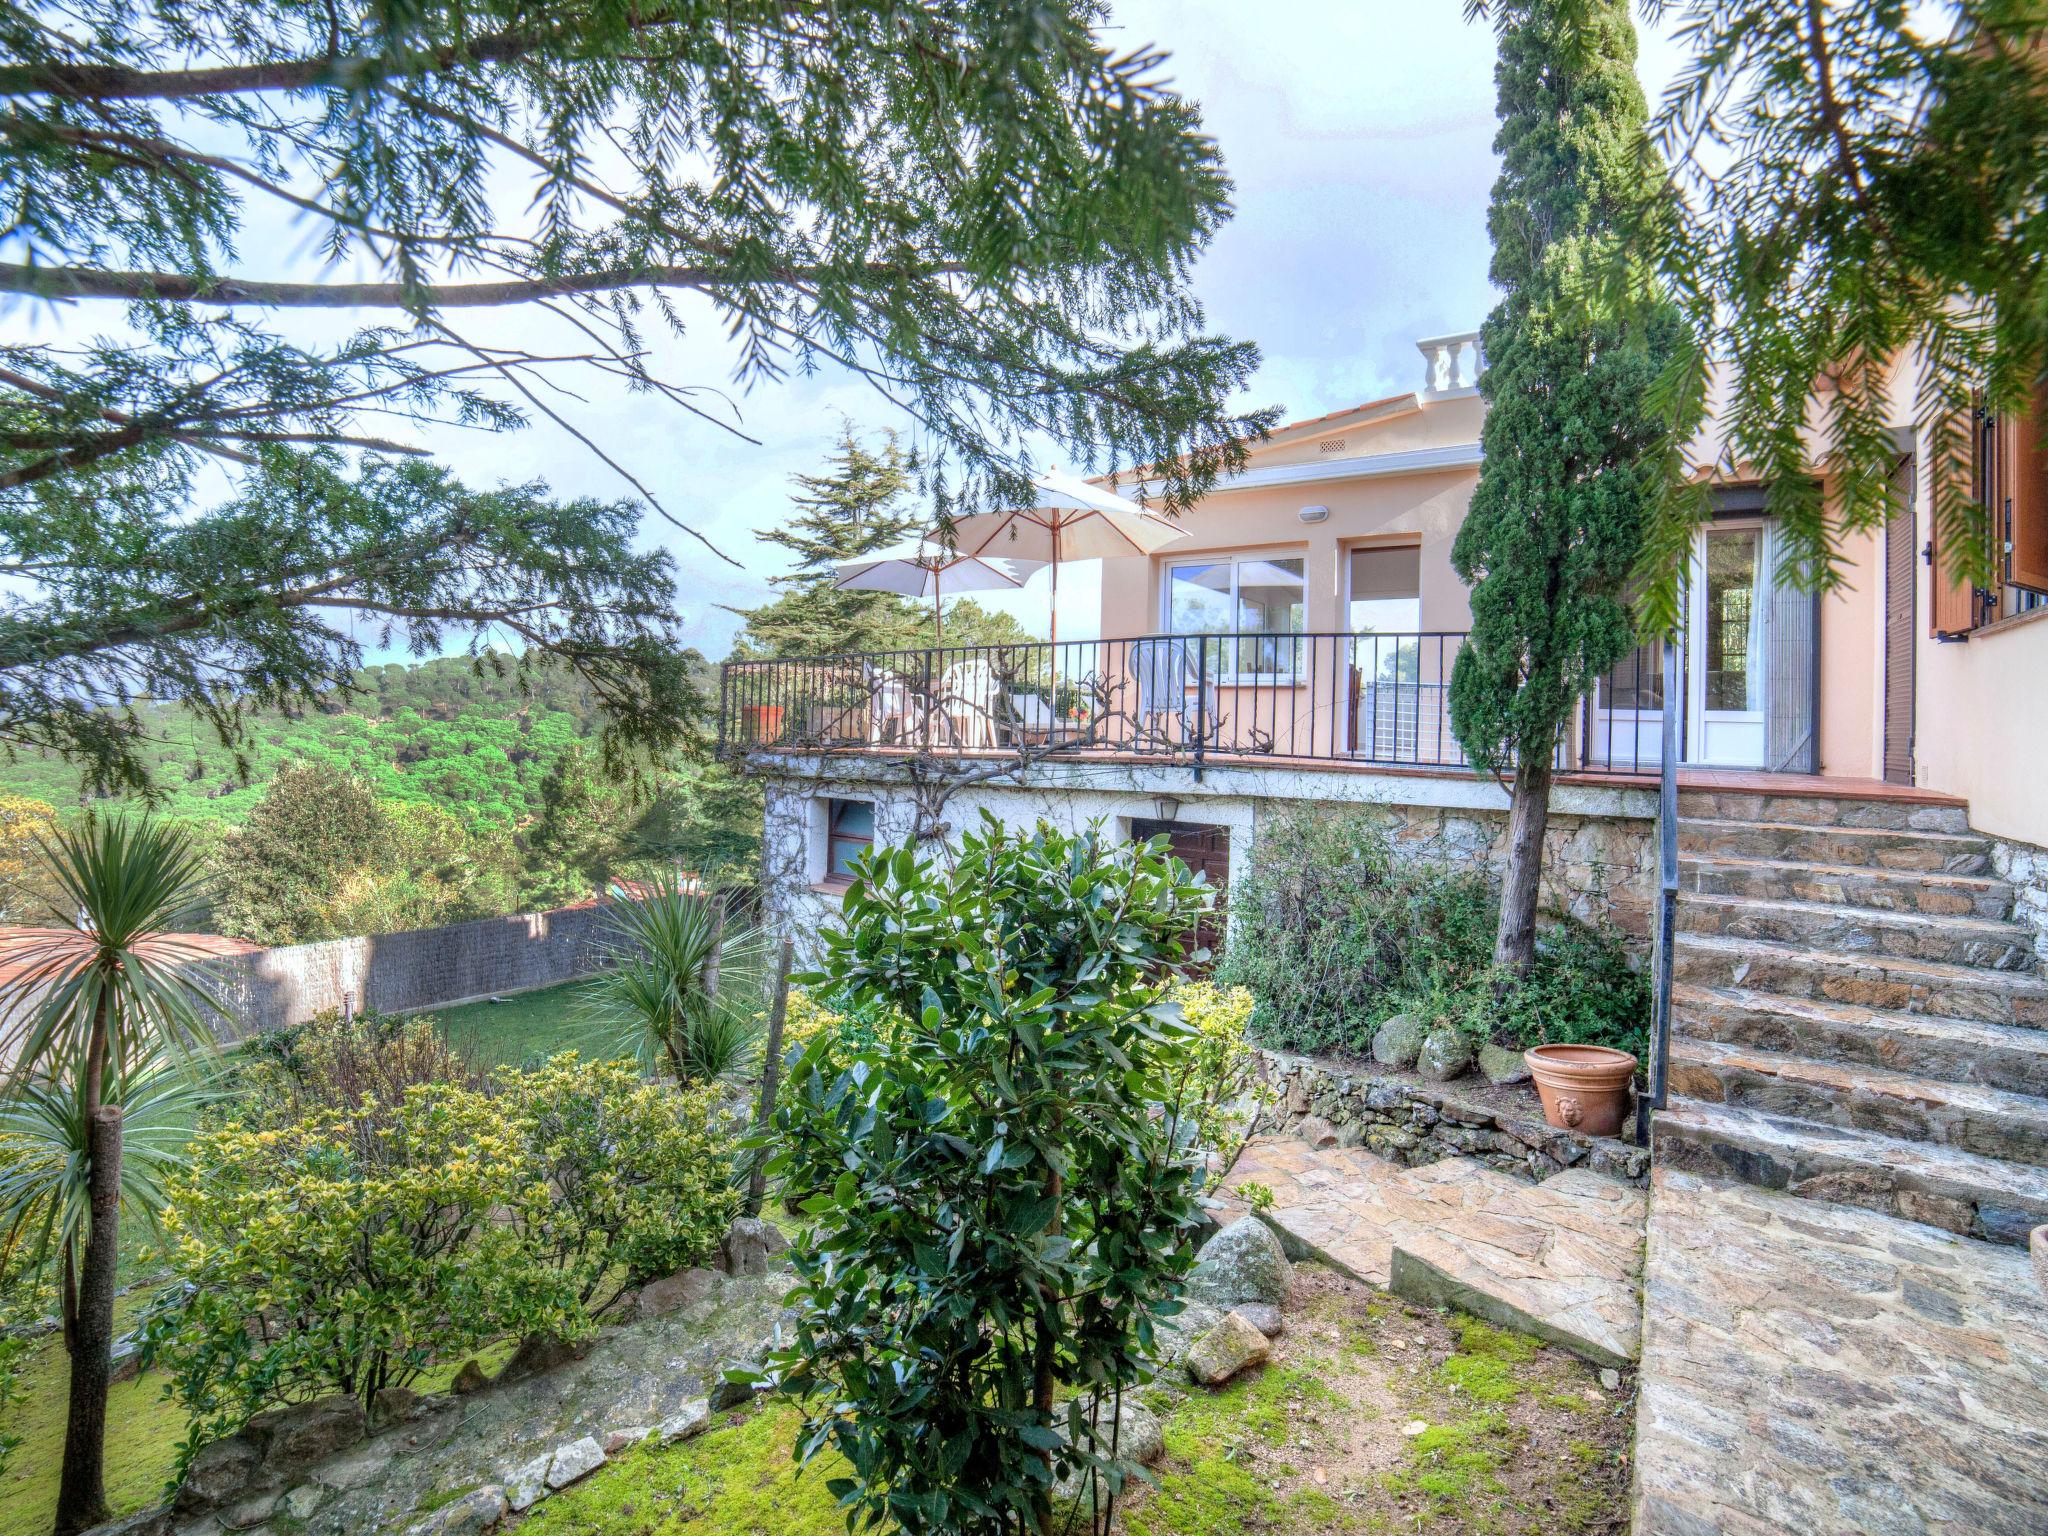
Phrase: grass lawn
x=531 y=1025
x=1373 y=1417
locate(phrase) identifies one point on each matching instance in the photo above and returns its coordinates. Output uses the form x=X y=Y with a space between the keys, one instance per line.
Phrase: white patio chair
x=892 y=716
x=967 y=703
x=1165 y=672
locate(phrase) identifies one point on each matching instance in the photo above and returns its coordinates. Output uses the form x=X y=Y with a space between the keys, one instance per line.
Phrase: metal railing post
x=1201 y=703
x=1667 y=901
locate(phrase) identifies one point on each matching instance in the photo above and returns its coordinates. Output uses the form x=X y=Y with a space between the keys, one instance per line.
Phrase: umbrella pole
x=938 y=616
x=1055 y=592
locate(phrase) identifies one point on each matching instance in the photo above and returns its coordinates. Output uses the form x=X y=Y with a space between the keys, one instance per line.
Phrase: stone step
x=1863 y=848
x=1886 y=814
x=1991 y=943
x=1895 y=985
x=1942 y=1186
x=1955 y=1050
x=1988 y=1122
x=1881 y=890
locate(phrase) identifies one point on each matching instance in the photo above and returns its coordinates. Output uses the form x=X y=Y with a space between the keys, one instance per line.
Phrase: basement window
x=849 y=833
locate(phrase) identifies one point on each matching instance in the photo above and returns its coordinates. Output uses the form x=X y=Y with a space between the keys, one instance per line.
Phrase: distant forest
x=436 y=792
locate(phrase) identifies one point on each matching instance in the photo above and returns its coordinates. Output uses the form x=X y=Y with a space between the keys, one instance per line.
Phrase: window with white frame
x=1253 y=603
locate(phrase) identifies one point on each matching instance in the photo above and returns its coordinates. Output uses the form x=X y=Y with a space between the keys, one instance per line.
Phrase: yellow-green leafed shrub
x=636 y=1177
x=1222 y=1089
x=326 y=1256
x=806 y=1020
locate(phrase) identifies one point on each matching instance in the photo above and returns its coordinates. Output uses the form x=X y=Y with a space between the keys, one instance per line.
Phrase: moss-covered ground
x=1373 y=1417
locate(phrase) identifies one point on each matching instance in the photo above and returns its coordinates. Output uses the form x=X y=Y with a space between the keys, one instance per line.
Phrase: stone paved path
x=1558 y=1259
x=1821 y=1369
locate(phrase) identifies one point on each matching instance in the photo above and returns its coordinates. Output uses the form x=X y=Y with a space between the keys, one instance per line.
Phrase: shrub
x=686 y=993
x=1334 y=931
x=1221 y=1092
x=348 y=1252
x=335 y=1065
x=1581 y=990
x=1001 y=1215
x=639 y=1175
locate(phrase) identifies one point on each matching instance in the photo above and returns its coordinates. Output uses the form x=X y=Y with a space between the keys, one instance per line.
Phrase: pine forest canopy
x=979 y=210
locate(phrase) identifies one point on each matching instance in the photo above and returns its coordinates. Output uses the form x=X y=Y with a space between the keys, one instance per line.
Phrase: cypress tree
x=1570 y=444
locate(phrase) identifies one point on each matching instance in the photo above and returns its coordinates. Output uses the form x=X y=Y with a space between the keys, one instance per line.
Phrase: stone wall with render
x=1600 y=859
x=2025 y=867
x=1411 y=1122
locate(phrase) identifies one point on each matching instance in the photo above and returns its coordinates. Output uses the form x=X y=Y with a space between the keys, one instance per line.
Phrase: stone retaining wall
x=1411 y=1122
x=2026 y=868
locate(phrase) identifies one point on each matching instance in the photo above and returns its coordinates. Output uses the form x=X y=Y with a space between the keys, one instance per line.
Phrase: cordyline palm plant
x=687 y=988
x=88 y=1010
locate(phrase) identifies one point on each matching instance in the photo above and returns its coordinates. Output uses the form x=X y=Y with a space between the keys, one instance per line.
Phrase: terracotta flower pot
x=1584 y=1088
x=761 y=723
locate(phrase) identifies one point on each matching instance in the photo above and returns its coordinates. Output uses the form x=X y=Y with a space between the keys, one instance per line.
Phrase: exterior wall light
x=1313 y=514
x=1167 y=806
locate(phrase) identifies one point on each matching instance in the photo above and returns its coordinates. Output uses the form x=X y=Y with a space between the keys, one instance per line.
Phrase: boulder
x=528 y=1484
x=1398 y=1042
x=469 y=1515
x=539 y=1353
x=625 y=1439
x=686 y=1286
x=749 y=1246
x=1140 y=1437
x=154 y=1521
x=1177 y=1334
x=303 y=1500
x=294 y=1439
x=394 y=1405
x=1502 y=1064
x=687 y=1421
x=1227 y=1349
x=1243 y=1262
x=724 y=1394
x=577 y=1459
x=1262 y=1315
x=220 y=1474
x=247 y=1514
x=1317 y=1132
x=470 y=1378
x=1445 y=1054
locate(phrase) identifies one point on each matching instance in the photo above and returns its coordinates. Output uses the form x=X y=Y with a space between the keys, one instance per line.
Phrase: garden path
x=1824 y=1369
x=1559 y=1260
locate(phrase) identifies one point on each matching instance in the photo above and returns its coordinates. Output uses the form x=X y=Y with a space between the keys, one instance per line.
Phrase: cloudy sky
x=1358 y=133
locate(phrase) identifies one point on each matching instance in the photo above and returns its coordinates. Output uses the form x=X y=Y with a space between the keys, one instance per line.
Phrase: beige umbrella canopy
x=927 y=568
x=1072 y=521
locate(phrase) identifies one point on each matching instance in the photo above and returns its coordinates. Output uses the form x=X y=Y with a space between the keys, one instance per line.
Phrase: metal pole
x=1201 y=702
x=1667 y=897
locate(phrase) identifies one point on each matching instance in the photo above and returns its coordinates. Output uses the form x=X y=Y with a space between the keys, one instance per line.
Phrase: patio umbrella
x=925 y=568
x=1073 y=520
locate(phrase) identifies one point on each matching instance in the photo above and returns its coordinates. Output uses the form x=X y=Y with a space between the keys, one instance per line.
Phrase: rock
x=1944 y=1211
x=467 y=1516
x=2037 y=1245
x=1610 y=1378
x=219 y=1474
x=359 y=1471
x=1398 y=1042
x=1502 y=1064
x=625 y=1439
x=749 y=1245
x=1317 y=1132
x=528 y=1484
x=470 y=1378
x=154 y=1521
x=1177 y=1334
x=248 y=1513
x=725 y=1394
x=393 y=1405
x=538 y=1354
x=687 y=1422
x=303 y=1500
x=1227 y=1349
x=295 y=1439
x=681 y=1289
x=577 y=1459
x=1243 y=1262
x=1262 y=1315
x=1445 y=1054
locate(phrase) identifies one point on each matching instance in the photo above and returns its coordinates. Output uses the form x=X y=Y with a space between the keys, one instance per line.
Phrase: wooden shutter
x=2023 y=471
x=1951 y=603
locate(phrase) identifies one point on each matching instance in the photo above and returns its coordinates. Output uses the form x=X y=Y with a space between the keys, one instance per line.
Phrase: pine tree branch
x=186 y=288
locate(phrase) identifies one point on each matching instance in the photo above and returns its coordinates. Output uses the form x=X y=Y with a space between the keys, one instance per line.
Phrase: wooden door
x=1206 y=851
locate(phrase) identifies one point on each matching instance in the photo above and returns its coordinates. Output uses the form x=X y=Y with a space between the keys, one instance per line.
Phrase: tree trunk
x=771 y=1074
x=81 y=1495
x=1514 y=945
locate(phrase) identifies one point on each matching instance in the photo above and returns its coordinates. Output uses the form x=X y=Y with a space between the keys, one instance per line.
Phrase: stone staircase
x=1855 y=1017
